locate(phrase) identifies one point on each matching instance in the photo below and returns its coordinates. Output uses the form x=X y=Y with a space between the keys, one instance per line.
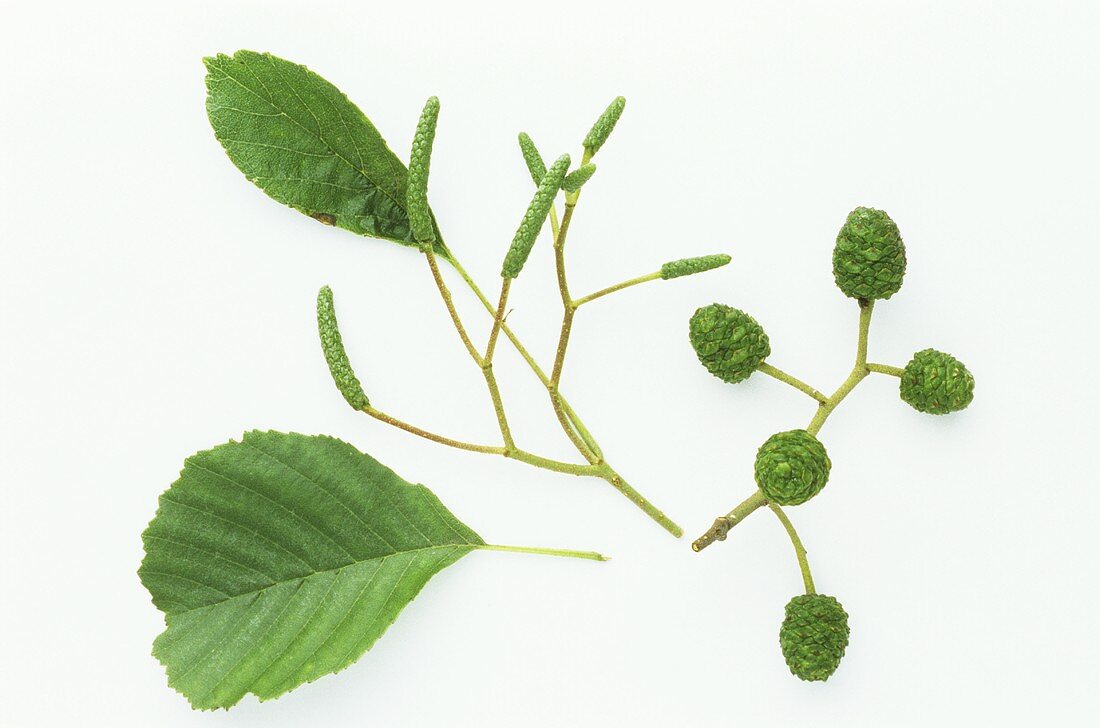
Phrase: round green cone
x=936 y=383
x=728 y=342
x=813 y=636
x=869 y=257
x=791 y=467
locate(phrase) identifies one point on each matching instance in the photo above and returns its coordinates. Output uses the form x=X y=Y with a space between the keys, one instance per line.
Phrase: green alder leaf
x=303 y=142
x=282 y=558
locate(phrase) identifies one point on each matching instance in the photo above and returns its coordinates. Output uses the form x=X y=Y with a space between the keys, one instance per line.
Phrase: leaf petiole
x=567 y=553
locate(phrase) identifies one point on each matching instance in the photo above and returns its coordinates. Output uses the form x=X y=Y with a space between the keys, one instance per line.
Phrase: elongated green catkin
x=535 y=218
x=532 y=158
x=599 y=132
x=333 y=346
x=420 y=159
x=690 y=266
x=576 y=179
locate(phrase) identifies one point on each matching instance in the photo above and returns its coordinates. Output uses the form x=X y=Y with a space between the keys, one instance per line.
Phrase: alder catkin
x=332 y=344
x=576 y=179
x=534 y=218
x=532 y=158
x=691 y=266
x=420 y=159
x=599 y=132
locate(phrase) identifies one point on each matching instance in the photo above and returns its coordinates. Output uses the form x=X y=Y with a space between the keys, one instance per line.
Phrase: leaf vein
x=329 y=493
x=238 y=524
x=317 y=134
x=215 y=554
x=279 y=505
x=259 y=639
x=305 y=660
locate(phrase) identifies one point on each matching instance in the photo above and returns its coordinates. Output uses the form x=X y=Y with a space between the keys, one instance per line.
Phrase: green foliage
x=299 y=139
x=303 y=142
x=532 y=158
x=791 y=467
x=936 y=383
x=282 y=558
x=576 y=179
x=728 y=342
x=869 y=257
x=813 y=636
x=534 y=218
x=603 y=127
x=691 y=266
x=332 y=344
x=420 y=159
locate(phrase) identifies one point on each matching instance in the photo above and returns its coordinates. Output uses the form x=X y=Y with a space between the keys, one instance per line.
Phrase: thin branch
x=723 y=524
x=498 y=319
x=382 y=416
x=498 y=406
x=617 y=287
x=563 y=339
x=637 y=499
x=449 y=303
x=556 y=465
x=886 y=369
x=574 y=419
x=576 y=422
x=559 y=256
x=859 y=371
x=799 y=549
x=793 y=381
x=865 y=308
x=512 y=454
x=487 y=366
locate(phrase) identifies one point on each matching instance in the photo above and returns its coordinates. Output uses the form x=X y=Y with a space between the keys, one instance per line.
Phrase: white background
x=154 y=303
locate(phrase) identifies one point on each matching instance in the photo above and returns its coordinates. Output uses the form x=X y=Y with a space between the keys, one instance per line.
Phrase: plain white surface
x=155 y=303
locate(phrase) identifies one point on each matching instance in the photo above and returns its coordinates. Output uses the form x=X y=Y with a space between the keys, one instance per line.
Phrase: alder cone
x=813 y=636
x=791 y=467
x=728 y=342
x=869 y=257
x=936 y=383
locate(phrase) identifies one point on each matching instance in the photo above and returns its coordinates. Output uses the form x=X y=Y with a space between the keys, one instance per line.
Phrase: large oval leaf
x=284 y=557
x=299 y=139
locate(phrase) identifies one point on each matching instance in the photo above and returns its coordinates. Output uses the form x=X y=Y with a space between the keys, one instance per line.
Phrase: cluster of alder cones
x=793 y=466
